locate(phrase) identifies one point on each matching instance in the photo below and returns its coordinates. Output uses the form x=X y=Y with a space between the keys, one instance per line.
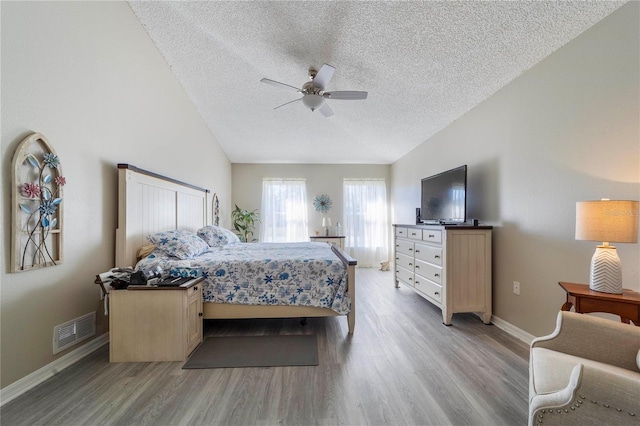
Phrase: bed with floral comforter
x=291 y=274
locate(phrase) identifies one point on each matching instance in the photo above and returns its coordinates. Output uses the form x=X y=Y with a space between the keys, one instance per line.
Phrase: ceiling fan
x=313 y=92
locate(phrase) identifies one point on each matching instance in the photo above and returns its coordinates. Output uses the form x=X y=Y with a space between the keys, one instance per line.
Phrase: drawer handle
x=200 y=314
x=431 y=236
x=413 y=233
x=410 y=249
x=397 y=258
x=410 y=279
x=436 y=293
x=417 y=266
x=437 y=256
x=410 y=264
x=417 y=251
x=436 y=275
x=195 y=288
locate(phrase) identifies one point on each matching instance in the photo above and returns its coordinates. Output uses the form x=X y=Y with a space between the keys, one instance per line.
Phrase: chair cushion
x=551 y=370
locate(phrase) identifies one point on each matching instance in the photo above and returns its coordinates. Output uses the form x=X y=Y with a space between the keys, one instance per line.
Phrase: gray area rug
x=255 y=351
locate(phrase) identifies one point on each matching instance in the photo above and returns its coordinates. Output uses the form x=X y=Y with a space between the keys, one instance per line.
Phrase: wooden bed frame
x=149 y=203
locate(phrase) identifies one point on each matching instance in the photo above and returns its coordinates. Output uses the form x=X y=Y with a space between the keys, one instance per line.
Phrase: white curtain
x=365 y=221
x=284 y=211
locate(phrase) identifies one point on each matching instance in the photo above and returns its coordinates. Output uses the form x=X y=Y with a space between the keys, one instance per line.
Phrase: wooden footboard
x=229 y=311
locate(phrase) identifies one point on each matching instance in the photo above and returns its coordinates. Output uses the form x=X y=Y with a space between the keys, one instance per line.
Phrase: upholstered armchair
x=587 y=372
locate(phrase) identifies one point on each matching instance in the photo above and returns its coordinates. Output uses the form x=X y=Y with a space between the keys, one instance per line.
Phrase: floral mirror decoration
x=37 y=205
x=322 y=203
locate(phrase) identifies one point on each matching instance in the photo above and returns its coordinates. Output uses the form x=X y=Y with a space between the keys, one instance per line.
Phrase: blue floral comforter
x=301 y=274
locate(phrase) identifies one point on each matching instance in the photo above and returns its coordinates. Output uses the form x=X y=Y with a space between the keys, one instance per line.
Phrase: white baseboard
x=511 y=329
x=21 y=386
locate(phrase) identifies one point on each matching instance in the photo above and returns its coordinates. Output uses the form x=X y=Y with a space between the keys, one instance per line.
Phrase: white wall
x=565 y=131
x=321 y=179
x=88 y=77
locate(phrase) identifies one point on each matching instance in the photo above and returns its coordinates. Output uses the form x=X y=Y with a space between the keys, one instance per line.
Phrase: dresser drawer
x=429 y=288
x=429 y=271
x=194 y=289
x=404 y=275
x=404 y=247
x=401 y=232
x=404 y=261
x=414 y=233
x=432 y=235
x=429 y=254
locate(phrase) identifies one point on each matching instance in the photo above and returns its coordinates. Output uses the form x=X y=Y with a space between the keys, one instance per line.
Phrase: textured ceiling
x=424 y=64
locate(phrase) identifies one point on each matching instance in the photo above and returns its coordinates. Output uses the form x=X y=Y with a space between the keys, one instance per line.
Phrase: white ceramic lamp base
x=606 y=271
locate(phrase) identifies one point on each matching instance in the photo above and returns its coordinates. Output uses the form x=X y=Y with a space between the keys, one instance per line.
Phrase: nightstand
x=585 y=300
x=155 y=323
x=335 y=239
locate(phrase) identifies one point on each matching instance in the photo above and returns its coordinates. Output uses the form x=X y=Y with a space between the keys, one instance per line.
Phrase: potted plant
x=244 y=223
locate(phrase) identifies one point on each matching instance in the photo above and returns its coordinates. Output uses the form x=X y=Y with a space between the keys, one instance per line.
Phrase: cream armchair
x=587 y=372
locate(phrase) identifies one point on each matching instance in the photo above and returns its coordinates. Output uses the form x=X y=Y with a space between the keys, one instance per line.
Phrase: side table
x=585 y=300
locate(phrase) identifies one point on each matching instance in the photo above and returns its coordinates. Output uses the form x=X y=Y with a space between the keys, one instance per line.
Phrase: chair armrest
x=593 y=395
x=594 y=338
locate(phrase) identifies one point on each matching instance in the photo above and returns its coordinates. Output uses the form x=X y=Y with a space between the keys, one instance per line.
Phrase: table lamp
x=607 y=221
x=326 y=223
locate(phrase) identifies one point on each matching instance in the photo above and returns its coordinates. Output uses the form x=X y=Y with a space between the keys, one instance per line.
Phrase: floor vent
x=73 y=332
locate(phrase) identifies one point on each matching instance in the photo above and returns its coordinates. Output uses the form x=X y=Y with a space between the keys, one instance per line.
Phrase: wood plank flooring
x=401 y=367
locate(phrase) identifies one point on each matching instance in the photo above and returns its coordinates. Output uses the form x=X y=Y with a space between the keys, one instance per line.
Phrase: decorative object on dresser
x=37 y=205
x=608 y=221
x=450 y=266
x=326 y=224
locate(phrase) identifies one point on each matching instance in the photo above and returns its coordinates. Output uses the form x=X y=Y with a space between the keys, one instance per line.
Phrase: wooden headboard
x=149 y=203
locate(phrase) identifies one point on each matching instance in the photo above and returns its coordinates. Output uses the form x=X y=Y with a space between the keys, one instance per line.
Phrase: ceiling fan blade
x=326 y=110
x=290 y=102
x=281 y=85
x=323 y=76
x=345 y=95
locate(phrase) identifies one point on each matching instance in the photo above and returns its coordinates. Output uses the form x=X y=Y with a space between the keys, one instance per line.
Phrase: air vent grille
x=73 y=332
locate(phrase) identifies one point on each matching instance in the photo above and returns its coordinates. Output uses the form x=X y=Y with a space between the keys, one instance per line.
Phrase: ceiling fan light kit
x=313 y=93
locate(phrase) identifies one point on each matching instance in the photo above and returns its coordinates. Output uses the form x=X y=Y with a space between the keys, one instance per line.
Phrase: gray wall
x=88 y=77
x=321 y=179
x=565 y=131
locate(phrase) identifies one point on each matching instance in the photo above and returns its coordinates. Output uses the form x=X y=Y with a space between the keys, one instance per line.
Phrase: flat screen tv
x=444 y=197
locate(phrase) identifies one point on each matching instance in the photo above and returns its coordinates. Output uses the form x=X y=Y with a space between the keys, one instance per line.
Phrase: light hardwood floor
x=401 y=367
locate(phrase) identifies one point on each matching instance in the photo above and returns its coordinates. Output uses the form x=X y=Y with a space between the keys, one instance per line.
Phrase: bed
x=151 y=204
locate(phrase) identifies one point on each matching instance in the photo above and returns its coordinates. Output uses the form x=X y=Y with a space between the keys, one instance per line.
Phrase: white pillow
x=216 y=236
x=180 y=244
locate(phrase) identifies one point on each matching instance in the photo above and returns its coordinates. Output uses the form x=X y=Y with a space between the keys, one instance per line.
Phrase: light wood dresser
x=155 y=323
x=450 y=266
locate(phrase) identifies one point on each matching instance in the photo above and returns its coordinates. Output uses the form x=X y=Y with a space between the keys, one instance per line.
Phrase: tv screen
x=444 y=197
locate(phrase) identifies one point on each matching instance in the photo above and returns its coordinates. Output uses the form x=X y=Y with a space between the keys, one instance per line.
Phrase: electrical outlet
x=516 y=288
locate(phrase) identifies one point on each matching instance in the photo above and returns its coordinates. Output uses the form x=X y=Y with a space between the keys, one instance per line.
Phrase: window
x=365 y=221
x=284 y=211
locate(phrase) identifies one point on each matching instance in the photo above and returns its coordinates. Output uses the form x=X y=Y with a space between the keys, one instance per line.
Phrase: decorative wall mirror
x=36 y=196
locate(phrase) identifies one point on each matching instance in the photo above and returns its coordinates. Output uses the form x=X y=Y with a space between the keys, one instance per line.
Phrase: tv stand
x=448 y=265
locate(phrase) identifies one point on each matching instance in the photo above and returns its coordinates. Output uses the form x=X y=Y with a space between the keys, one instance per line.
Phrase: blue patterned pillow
x=180 y=244
x=216 y=236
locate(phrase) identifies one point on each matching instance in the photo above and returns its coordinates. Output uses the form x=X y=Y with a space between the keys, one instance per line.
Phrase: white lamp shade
x=607 y=220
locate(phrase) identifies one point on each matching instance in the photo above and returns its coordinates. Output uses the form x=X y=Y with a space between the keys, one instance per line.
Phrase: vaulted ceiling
x=423 y=63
